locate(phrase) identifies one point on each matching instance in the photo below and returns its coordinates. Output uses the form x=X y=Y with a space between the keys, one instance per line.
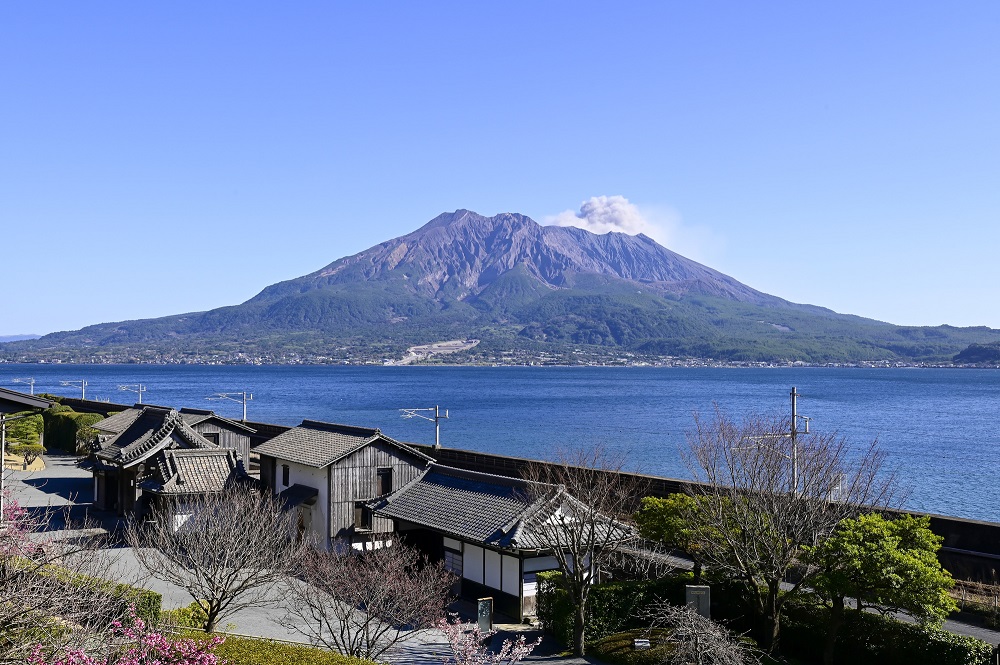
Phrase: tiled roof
x=118 y=422
x=319 y=444
x=297 y=495
x=478 y=507
x=194 y=471
x=194 y=416
x=153 y=429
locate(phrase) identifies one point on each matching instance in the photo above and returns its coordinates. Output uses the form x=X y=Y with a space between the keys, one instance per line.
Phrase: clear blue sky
x=184 y=155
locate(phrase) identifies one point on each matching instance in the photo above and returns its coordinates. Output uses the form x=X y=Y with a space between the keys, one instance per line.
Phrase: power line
x=436 y=419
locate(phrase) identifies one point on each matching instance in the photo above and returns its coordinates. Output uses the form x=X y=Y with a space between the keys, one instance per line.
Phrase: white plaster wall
x=299 y=474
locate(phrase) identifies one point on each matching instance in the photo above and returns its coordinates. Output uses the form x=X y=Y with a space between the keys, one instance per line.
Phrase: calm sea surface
x=939 y=426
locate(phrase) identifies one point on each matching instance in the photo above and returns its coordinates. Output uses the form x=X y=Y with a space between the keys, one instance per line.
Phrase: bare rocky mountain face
x=459 y=255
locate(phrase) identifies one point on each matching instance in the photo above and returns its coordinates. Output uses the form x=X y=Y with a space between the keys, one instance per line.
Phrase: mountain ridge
x=518 y=286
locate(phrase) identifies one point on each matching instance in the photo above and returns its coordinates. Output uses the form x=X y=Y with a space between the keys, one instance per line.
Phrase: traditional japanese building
x=492 y=532
x=155 y=456
x=329 y=473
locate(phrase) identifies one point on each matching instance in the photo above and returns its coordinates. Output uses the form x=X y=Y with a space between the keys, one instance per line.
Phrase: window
x=284 y=475
x=384 y=481
x=213 y=437
x=362 y=516
x=453 y=562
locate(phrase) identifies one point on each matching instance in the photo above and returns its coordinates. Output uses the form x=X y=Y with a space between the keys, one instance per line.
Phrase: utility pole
x=436 y=419
x=82 y=383
x=30 y=381
x=137 y=388
x=793 y=435
x=244 y=398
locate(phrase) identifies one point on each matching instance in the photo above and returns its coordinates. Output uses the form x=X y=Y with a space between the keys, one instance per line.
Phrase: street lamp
x=244 y=398
x=80 y=382
x=30 y=381
x=137 y=388
x=436 y=419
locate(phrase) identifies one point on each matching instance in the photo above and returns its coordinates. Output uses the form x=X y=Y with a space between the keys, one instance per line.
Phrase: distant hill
x=17 y=338
x=979 y=354
x=518 y=287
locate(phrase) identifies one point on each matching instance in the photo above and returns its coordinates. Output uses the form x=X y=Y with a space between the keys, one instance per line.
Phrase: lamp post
x=436 y=419
x=244 y=397
x=79 y=382
x=137 y=388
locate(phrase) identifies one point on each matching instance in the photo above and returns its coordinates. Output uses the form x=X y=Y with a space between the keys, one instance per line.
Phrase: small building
x=329 y=472
x=157 y=456
x=223 y=432
x=486 y=529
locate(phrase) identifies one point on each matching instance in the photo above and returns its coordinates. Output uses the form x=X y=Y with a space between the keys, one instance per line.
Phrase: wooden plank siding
x=237 y=440
x=354 y=478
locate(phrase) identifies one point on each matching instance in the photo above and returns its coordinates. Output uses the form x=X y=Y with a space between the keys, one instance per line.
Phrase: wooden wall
x=237 y=440
x=354 y=479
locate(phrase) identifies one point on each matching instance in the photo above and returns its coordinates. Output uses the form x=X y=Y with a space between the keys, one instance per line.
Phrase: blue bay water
x=938 y=426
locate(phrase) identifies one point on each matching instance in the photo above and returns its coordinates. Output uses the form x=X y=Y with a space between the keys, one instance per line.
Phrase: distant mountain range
x=520 y=288
x=17 y=338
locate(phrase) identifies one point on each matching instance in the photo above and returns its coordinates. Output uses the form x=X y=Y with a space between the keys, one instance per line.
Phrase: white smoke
x=603 y=214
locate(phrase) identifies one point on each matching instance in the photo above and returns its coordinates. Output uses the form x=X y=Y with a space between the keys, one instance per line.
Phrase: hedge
x=63 y=426
x=147 y=603
x=864 y=639
x=870 y=639
x=611 y=608
x=259 y=651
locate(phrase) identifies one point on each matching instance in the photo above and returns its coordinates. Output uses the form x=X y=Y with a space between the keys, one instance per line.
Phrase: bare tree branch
x=751 y=523
x=228 y=550
x=365 y=604
x=51 y=590
x=584 y=519
x=696 y=640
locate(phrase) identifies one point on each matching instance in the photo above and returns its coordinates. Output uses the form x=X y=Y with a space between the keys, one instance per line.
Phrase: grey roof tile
x=318 y=444
x=155 y=428
x=196 y=471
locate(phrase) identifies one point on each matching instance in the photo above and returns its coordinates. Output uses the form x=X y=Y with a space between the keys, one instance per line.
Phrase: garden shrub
x=611 y=608
x=65 y=428
x=190 y=616
x=872 y=639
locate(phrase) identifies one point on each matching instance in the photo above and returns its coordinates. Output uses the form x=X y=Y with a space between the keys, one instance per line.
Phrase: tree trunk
x=832 y=628
x=579 y=625
x=697 y=569
x=773 y=611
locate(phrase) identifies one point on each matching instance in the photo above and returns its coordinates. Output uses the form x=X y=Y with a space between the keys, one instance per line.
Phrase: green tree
x=889 y=565
x=665 y=521
x=26 y=429
x=29 y=451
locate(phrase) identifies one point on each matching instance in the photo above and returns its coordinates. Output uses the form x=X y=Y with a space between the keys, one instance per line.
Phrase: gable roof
x=154 y=428
x=474 y=506
x=318 y=444
x=22 y=401
x=503 y=512
x=195 y=471
x=118 y=422
x=196 y=416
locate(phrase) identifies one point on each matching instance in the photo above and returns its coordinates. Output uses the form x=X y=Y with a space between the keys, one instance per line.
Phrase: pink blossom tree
x=51 y=588
x=467 y=642
x=135 y=644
